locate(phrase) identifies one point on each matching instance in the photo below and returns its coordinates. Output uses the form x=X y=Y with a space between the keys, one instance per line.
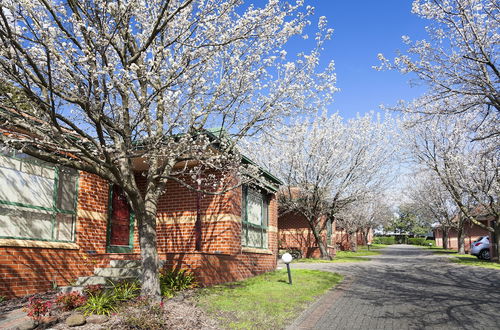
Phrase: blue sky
x=362 y=29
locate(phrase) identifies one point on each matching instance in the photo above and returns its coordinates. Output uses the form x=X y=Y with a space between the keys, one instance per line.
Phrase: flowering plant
x=72 y=300
x=37 y=308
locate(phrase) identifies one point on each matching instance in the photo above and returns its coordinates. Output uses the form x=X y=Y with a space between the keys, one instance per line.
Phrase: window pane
x=264 y=239
x=254 y=237
x=254 y=207
x=64 y=227
x=21 y=187
x=15 y=222
x=265 y=213
x=66 y=190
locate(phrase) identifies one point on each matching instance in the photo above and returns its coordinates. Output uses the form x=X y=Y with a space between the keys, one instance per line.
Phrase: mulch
x=16 y=303
x=179 y=312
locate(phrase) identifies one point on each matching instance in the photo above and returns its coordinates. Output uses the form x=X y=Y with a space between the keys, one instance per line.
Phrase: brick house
x=472 y=232
x=343 y=239
x=57 y=224
x=295 y=234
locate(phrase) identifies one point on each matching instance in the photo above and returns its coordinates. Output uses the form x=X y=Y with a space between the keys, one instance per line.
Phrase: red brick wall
x=26 y=270
x=295 y=233
x=343 y=239
x=472 y=233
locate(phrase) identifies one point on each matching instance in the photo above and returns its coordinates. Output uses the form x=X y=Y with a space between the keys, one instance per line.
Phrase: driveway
x=406 y=288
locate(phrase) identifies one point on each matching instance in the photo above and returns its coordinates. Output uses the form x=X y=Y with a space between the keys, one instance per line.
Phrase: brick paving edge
x=311 y=315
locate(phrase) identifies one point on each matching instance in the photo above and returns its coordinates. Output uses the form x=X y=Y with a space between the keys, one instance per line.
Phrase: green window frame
x=255 y=218
x=50 y=217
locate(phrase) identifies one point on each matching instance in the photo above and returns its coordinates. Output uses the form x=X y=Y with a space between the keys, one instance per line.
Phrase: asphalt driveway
x=406 y=288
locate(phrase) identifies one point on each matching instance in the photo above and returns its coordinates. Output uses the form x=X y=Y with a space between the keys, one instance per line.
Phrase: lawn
x=266 y=301
x=440 y=250
x=374 y=246
x=467 y=259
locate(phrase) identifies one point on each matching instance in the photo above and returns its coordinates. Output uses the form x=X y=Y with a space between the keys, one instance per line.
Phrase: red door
x=120 y=219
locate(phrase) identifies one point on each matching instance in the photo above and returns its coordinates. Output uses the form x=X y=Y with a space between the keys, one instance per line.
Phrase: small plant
x=172 y=281
x=37 y=308
x=102 y=304
x=93 y=289
x=125 y=290
x=2 y=299
x=69 y=301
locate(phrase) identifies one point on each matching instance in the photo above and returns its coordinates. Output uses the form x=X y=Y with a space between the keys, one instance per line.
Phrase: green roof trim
x=219 y=133
x=265 y=173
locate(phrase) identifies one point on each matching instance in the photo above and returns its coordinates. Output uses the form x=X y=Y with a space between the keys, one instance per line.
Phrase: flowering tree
x=365 y=214
x=327 y=164
x=433 y=199
x=468 y=169
x=116 y=84
x=459 y=62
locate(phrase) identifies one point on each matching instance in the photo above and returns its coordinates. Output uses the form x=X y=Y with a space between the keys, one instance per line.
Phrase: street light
x=287 y=259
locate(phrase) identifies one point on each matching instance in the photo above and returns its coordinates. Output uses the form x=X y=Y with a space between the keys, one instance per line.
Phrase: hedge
x=384 y=240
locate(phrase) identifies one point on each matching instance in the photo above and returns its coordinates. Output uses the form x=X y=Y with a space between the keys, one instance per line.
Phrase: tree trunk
x=445 y=238
x=354 y=241
x=496 y=239
x=365 y=233
x=461 y=240
x=146 y=220
x=323 y=250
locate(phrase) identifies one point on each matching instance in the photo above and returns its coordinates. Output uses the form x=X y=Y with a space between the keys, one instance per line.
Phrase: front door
x=121 y=226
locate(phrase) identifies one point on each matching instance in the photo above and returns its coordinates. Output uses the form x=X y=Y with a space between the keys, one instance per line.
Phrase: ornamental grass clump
x=173 y=281
x=125 y=290
x=101 y=304
x=104 y=302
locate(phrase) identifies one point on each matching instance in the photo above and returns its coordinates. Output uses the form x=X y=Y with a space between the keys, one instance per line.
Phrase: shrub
x=387 y=240
x=417 y=241
x=172 y=281
x=37 y=308
x=93 y=289
x=102 y=304
x=69 y=301
x=125 y=290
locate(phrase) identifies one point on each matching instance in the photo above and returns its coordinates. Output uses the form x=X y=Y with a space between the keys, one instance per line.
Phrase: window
x=254 y=218
x=37 y=199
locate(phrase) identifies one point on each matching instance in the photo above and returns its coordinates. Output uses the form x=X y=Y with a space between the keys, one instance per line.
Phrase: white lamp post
x=287 y=259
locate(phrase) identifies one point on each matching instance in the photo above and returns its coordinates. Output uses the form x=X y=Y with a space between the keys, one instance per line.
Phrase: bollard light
x=287 y=259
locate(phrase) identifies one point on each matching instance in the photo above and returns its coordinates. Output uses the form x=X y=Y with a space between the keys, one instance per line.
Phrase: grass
x=345 y=256
x=440 y=250
x=266 y=301
x=374 y=246
x=467 y=259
